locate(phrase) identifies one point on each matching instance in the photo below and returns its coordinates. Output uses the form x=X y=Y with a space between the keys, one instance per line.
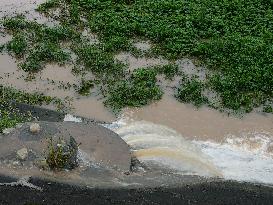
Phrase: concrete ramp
x=98 y=144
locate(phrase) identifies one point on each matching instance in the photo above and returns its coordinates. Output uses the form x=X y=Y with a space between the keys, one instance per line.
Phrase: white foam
x=243 y=158
x=71 y=118
x=238 y=160
x=161 y=145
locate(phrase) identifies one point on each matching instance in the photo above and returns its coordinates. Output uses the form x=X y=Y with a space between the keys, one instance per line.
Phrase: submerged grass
x=140 y=89
x=37 y=44
x=232 y=38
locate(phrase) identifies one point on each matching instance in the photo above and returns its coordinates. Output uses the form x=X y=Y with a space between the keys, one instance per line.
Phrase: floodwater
x=166 y=132
x=203 y=123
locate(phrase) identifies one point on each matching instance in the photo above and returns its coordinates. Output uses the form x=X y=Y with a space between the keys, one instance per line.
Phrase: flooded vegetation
x=186 y=84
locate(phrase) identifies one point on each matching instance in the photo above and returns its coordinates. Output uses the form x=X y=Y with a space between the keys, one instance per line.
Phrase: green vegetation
x=48 y=5
x=85 y=87
x=62 y=154
x=268 y=109
x=37 y=44
x=190 y=91
x=17 y=45
x=10 y=116
x=169 y=70
x=140 y=89
x=232 y=38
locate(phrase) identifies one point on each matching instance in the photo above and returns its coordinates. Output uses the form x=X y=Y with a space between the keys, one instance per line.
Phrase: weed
x=85 y=87
x=140 y=89
x=49 y=4
x=169 y=70
x=62 y=154
x=268 y=109
x=190 y=91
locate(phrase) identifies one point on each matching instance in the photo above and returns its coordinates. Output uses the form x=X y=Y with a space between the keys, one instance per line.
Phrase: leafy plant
x=190 y=91
x=140 y=89
x=85 y=87
x=62 y=154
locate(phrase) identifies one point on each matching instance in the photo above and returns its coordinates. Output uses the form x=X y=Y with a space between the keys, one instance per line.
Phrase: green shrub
x=62 y=154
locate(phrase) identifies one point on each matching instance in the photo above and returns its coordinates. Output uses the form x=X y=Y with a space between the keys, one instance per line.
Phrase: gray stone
x=16 y=163
x=34 y=128
x=22 y=154
x=41 y=164
x=8 y=131
x=98 y=144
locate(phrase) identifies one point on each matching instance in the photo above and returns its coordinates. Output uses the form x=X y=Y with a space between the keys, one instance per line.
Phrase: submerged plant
x=140 y=89
x=190 y=91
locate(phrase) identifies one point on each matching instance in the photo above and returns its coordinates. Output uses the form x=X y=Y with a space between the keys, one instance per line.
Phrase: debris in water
x=71 y=118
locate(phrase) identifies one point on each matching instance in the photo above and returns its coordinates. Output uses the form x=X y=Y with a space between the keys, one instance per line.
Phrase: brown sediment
x=54 y=81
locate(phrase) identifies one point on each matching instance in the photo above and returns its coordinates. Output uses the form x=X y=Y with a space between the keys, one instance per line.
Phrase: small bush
x=62 y=154
x=268 y=109
x=85 y=87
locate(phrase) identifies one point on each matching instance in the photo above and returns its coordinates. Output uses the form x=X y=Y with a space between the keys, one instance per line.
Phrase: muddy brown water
x=203 y=123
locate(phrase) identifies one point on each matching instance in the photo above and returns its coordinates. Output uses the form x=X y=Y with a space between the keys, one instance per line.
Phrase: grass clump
x=268 y=109
x=9 y=116
x=96 y=60
x=85 y=87
x=62 y=154
x=140 y=89
x=169 y=70
x=17 y=45
x=190 y=91
x=49 y=4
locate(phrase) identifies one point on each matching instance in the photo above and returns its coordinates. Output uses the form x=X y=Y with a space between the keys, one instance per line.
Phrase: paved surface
x=99 y=144
x=200 y=193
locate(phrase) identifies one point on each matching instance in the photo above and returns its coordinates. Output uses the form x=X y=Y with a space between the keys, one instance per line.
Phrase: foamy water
x=247 y=157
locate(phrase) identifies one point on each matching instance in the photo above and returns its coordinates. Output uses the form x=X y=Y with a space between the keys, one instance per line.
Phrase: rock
x=16 y=163
x=22 y=154
x=34 y=128
x=8 y=130
x=41 y=164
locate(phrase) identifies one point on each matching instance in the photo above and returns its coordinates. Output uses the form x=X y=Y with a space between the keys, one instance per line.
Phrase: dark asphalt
x=201 y=193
